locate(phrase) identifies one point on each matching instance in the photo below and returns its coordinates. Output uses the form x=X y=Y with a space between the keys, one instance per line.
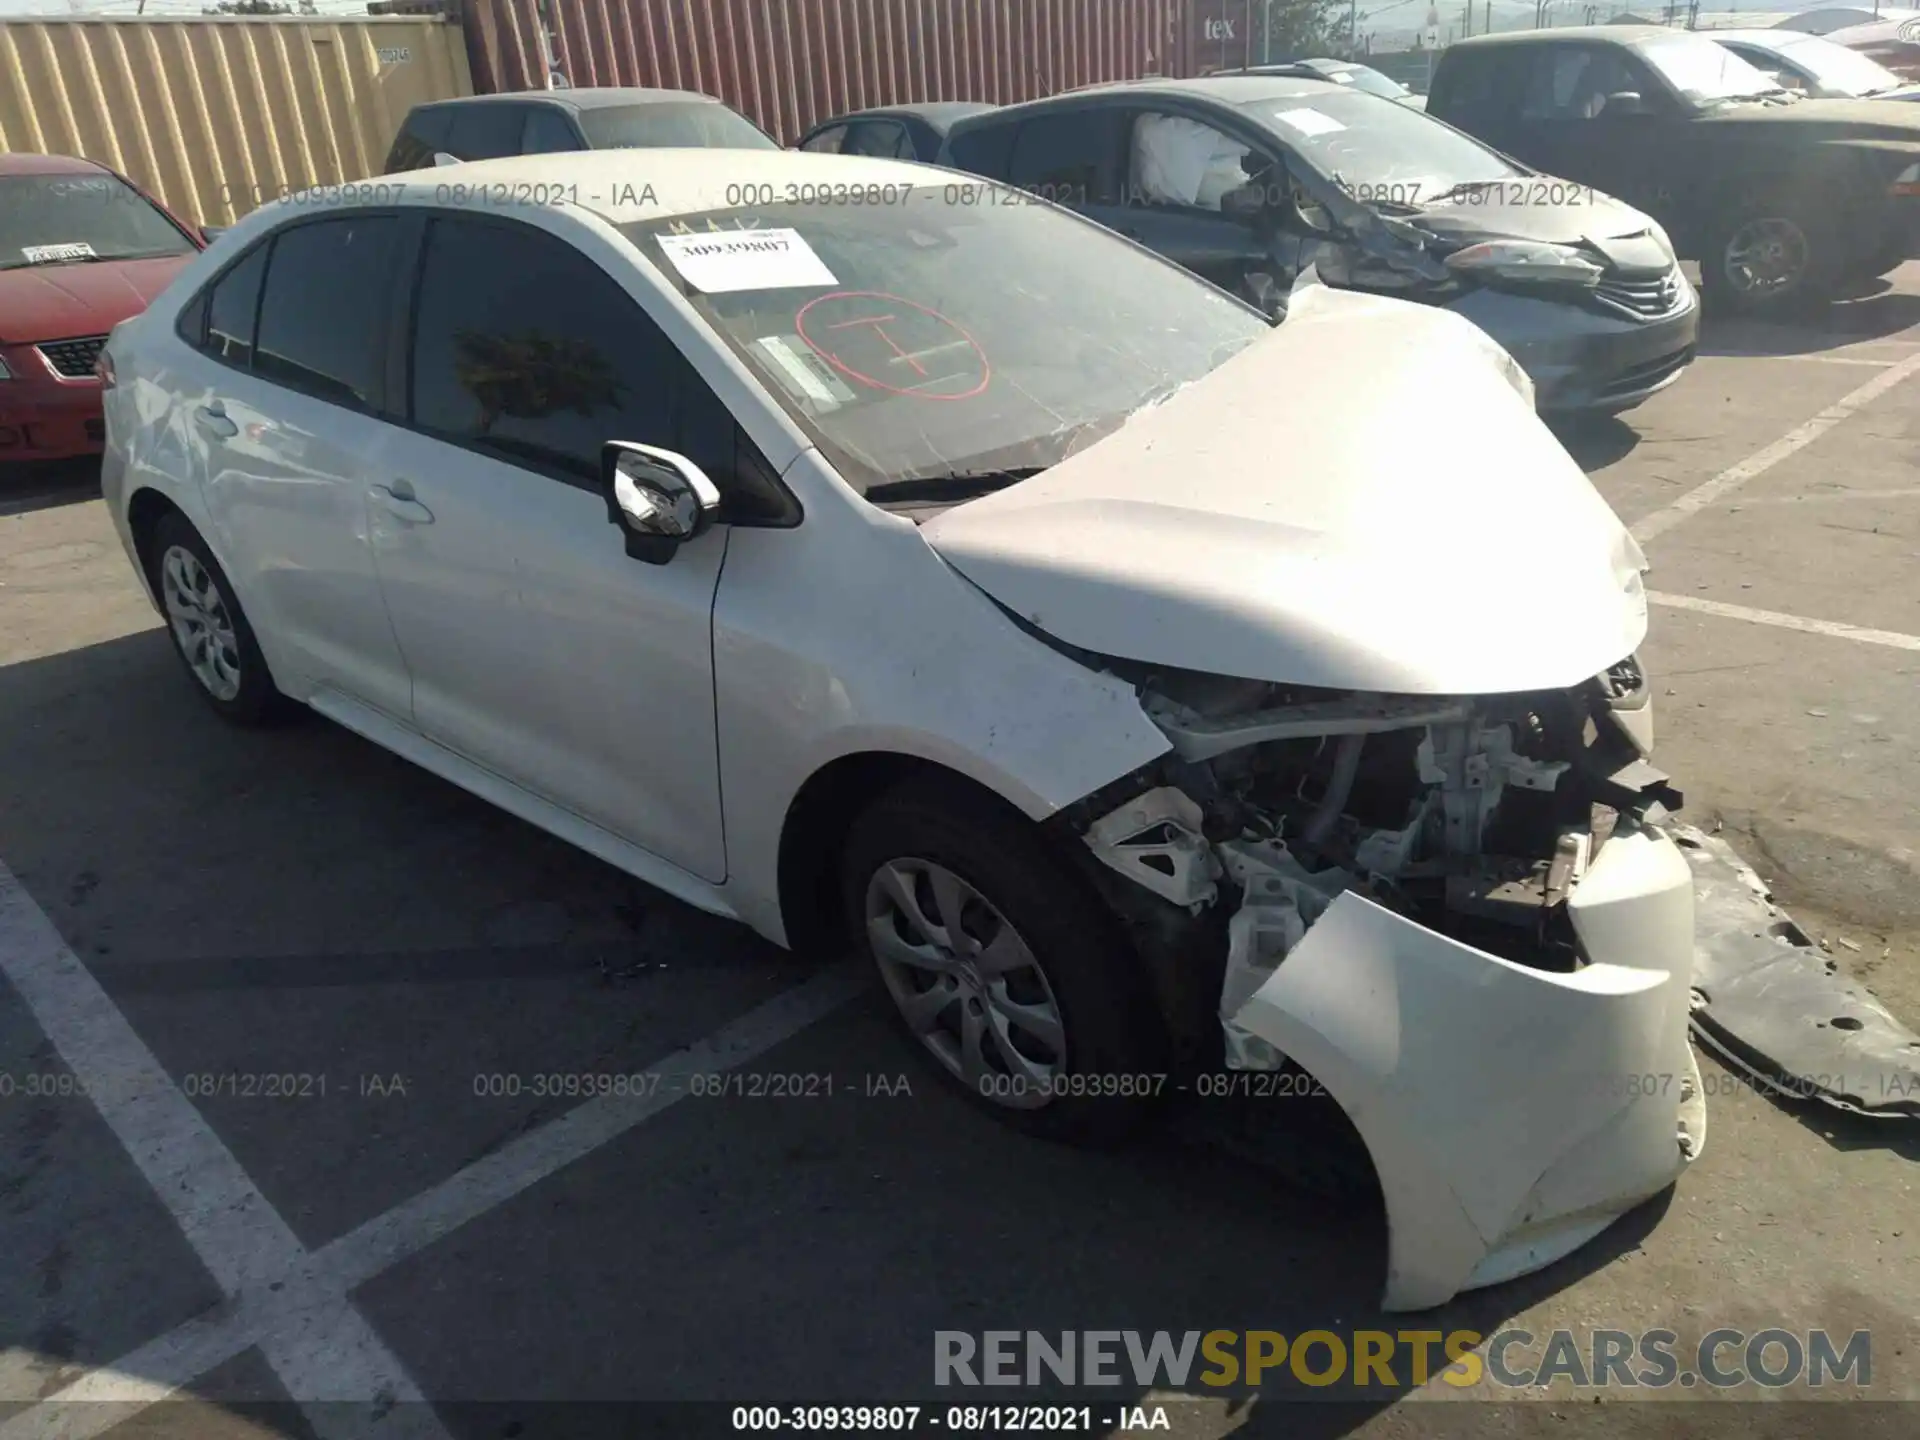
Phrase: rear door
x=539 y=649
x=290 y=375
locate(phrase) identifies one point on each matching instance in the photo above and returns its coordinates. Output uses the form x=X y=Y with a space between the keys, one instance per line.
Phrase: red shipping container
x=790 y=63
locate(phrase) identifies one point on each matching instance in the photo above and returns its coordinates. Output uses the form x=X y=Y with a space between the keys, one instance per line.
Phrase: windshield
x=694 y=124
x=64 y=219
x=1703 y=72
x=1835 y=67
x=947 y=329
x=1378 y=148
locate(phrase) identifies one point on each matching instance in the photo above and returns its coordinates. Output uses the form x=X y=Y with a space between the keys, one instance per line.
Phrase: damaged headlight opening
x=1527 y=262
x=1473 y=817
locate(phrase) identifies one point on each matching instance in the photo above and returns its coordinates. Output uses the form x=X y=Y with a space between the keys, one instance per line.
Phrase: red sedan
x=81 y=249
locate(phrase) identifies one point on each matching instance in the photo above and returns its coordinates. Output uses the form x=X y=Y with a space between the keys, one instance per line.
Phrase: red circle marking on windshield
x=874 y=325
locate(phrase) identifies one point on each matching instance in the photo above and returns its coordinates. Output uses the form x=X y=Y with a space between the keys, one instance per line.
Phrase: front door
x=539 y=650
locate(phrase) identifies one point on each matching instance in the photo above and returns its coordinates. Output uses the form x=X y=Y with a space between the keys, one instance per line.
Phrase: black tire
x=256 y=700
x=1113 y=1070
x=1817 y=277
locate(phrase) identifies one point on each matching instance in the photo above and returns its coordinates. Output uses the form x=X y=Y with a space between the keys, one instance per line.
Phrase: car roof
x=1233 y=90
x=1604 y=34
x=595 y=97
x=22 y=163
x=934 y=112
x=1770 y=38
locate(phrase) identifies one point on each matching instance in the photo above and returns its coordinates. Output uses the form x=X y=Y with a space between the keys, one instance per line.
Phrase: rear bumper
x=1582 y=360
x=44 y=416
x=1511 y=1114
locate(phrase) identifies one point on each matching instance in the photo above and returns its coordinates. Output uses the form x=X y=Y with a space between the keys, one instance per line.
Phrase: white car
x=1161 y=695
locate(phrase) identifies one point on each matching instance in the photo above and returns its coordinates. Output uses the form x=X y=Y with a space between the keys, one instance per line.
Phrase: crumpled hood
x=1359 y=500
x=60 y=302
x=1502 y=212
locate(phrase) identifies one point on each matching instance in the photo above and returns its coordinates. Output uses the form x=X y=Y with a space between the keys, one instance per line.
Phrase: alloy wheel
x=202 y=624
x=1767 y=256
x=966 y=983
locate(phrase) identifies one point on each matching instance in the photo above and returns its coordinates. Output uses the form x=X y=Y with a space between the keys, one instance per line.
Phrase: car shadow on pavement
x=1843 y=322
x=42 y=485
x=1594 y=441
x=294 y=897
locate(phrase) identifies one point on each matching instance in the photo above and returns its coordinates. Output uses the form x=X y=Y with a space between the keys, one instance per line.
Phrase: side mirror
x=1627 y=102
x=1310 y=213
x=441 y=157
x=660 y=500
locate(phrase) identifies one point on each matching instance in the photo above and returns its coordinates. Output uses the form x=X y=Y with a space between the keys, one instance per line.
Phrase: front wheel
x=1774 y=257
x=1005 y=969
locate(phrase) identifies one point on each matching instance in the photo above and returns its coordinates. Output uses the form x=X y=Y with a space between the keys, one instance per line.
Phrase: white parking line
x=237 y=1234
x=1907 y=493
x=1729 y=480
x=318 y=1344
x=1833 y=628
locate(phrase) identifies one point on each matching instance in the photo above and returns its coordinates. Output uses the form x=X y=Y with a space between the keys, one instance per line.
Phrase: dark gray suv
x=1250 y=180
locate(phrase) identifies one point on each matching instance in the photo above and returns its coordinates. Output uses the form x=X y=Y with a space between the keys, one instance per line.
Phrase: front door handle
x=214 y=417
x=402 y=507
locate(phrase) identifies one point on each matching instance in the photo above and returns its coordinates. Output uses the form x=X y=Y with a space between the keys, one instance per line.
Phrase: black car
x=1250 y=181
x=894 y=132
x=1780 y=199
x=536 y=122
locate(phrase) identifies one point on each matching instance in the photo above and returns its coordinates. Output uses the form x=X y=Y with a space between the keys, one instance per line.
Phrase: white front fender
x=1511 y=1114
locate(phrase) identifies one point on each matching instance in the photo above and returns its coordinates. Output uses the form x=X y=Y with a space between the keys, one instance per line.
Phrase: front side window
x=323 y=311
x=1573 y=83
x=827 y=141
x=75 y=219
x=424 y=134
x=883 y=139
x=544 y=375
x=943 y=342
x=691 y=124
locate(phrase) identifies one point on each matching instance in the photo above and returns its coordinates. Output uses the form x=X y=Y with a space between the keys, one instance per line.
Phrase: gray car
x=1251 y=180
x=542 y=122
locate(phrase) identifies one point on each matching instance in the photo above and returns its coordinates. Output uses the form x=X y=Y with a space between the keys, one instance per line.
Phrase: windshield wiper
x=954 y=485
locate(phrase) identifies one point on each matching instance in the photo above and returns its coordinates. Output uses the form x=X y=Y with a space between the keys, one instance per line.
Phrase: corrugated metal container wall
x=790 y=63
x=215 y=116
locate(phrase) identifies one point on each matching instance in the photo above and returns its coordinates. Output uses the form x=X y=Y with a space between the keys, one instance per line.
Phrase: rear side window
x=486 y=132
x=323 y=312
x=825 y=142
x=547 y=132
x=1469 y=86
x=1073 y=157
x=423 y=134
x=232 y=307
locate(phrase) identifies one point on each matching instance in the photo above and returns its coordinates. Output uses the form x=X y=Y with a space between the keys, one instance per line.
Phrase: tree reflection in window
x=532 y=376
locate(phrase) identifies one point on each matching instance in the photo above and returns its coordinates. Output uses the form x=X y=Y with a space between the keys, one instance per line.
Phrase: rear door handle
x=402 y=507
x=214 y=417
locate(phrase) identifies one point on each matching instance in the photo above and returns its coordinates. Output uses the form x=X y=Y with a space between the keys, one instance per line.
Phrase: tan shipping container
x=216 y=115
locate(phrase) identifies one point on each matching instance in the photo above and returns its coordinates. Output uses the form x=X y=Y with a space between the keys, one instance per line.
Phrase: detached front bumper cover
x=1511 y=1113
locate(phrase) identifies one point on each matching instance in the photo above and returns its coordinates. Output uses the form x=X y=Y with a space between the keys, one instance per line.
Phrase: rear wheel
x=1004 y=968
x=209 y=630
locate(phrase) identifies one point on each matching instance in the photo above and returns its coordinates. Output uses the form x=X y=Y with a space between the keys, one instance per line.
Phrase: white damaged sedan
x=1162 y=695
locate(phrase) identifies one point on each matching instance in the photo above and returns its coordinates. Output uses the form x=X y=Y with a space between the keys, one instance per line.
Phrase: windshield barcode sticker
x=1309 y=122
x=808 y=374
x=746 y=260
x=40 y=254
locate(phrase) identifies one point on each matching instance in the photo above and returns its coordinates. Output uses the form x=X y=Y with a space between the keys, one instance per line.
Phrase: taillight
x=103 y=368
